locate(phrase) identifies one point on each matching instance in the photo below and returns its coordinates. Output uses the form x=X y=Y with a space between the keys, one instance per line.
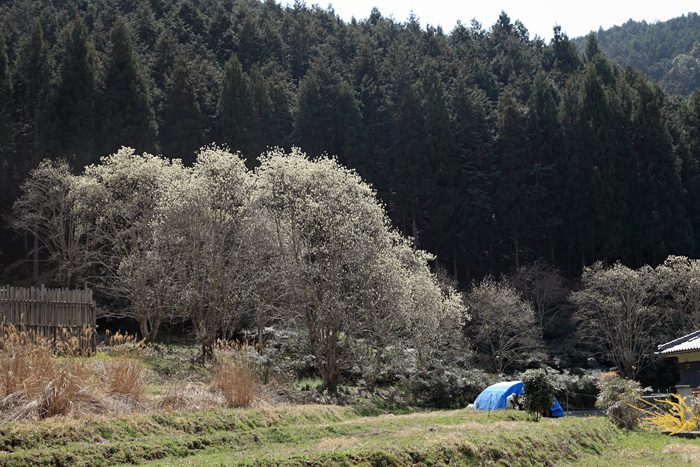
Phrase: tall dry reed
x=35 y=382
x=124 y=373
x=235 y=374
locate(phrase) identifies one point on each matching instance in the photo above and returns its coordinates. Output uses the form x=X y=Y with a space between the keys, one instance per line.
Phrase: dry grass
x=235 y=375
x=35 y=382
x=192 y=397
x=124 y=374
x=690 y=453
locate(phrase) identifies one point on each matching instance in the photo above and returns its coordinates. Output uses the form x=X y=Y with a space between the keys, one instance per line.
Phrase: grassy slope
x=320 y=435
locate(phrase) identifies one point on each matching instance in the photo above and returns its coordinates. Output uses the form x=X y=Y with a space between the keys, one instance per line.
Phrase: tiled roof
x=688 y=343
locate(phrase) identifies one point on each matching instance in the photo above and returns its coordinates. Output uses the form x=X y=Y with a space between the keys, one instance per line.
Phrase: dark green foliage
x=125 y=105
x=490 y=148
x=538 y=393
x=72 y=113
x=444 y=386
x=351 y=145
x=512 y=202
x=441 y=154
x=315 y=121
x=561 y=56
x=6 y=131
x=666 y=52
x=32 y=75
x=181 y=130
x=407 y=163
x=234 y=107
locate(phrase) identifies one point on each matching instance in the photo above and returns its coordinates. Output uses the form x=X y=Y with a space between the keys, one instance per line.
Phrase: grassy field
x=161 y=406
x=332 y=435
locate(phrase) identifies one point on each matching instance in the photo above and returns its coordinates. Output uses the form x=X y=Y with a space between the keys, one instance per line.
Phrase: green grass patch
x=332 y=435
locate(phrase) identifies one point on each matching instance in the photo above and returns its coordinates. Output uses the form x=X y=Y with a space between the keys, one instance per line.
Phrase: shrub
x=438 y=385
x=538 y=392
x=235 y=374
x=676 y=417
x=36 y=384
x=576 y=391
x=124 y=374
x=617 y=398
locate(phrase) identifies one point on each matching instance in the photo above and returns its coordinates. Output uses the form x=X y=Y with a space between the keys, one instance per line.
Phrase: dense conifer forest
x=491 y=149
x=496 y=152
x=667 y=51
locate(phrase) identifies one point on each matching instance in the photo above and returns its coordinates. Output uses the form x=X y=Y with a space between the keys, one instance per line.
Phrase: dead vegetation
x=42 y=378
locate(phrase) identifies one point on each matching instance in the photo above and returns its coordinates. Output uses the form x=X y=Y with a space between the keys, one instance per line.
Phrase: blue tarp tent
x=494 y=397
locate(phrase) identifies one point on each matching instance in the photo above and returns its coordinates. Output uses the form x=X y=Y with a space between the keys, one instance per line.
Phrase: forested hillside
x=668 y=52
x=489 y=148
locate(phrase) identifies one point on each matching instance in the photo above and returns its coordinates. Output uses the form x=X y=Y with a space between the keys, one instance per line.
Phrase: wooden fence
x=51 y=313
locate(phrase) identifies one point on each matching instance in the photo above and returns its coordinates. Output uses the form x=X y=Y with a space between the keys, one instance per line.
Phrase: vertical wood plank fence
x=51 y=313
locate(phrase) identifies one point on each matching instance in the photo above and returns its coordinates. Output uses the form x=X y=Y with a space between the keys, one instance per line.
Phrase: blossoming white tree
x=349 y=274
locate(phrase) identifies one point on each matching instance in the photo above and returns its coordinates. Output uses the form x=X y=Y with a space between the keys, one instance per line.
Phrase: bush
x=576 y=391
x=538 y=392
x=437 y=385
x=124 y=374
x=36 y=384
x=671 y=416
x=617 y=398
x=235 y=374
x=287 y=352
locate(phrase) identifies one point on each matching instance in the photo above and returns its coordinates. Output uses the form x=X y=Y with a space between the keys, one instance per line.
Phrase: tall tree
x=512 y=209
x=261 y=121
x=31 y=90
x=32 y=78
x=73 y=105
x=473 y=122
x=181 y=131
x=408 y=166
x=351 y=145
x=234 y=109
x=658 y=190
x=616 y=313
x=545 y=165
x=442 y=156
x=127 y=116
x=314 y=124
x=6 y=132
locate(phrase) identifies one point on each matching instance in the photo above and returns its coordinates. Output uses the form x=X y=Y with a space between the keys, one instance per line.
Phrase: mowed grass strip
x=325 y=435
x=435 y=438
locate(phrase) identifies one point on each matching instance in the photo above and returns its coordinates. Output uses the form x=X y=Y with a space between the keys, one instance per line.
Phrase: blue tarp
x=494 y=397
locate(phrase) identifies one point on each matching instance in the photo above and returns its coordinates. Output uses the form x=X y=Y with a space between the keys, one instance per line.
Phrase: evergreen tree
x=261 y=118
x=281 y=125
x=127 y=116
x=596 y=190
x=73 y=105
x=315 y=113
x=181 y=131
x=658 y=191
x=372 y=101
x=561 y=56
x=689 y=149
x=546 y=166
x=473 y=123
x=351 y=137
x=6 y=133
x=442 y=156
x=31 y=90
x=234 y=108
x=592 y=48
x=407 y=165
x=512 y=186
